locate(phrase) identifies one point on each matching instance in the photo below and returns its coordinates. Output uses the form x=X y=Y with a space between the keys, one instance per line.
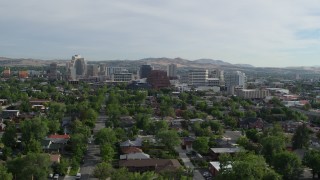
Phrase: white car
x=78 y=176
x=56 y=176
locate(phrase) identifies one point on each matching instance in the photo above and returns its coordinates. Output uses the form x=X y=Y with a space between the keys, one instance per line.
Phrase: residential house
x=216 y=152
x=9 y=114
x=130 y=150
x=128 y=143
x=251 y=123
x=139 y=155
x=156 y=165
x=58 y=139
x=214 y=167
x=55 y=158
x=50 y=147
x=187 y=143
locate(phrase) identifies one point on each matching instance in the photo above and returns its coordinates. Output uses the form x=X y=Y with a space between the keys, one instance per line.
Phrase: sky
x=263 y=33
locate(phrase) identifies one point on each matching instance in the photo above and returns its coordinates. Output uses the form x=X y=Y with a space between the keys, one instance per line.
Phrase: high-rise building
x=158 y=79
x=79 y=65
x=114 y=70
x=6 y=73
x=198 y=77
x=217 y=73
x=23 y=74
x=234 y=80
x=145 y=71
x=92 y=70
x=172 y=71
x=52 y=72
x=77 y=68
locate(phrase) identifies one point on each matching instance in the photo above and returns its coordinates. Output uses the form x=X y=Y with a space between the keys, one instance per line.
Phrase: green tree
x=106 y=135
x=301 y=137
x=56 y=111
x=201 y=144
x=33 y=146
x=143 y=121
x=272 y=145
x=31 y=166
x=80 y=128
x=34 y=128
x=158 y=126
x=245 y=167
x=169 y=138
x=9 y=136
x=107 y=152
x=89 y=117
x=252 y=134
x=288 y=165
x=4 y=174
x=103 y=170
x=312 y=160
x=230 y=121
x=62 y=167
x=53 y=126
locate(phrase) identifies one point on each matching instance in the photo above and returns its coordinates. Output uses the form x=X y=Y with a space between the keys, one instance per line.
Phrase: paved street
x=186 y=161
x=92 y=157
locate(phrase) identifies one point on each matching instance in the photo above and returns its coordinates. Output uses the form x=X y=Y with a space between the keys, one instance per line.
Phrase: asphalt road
x=92 y=157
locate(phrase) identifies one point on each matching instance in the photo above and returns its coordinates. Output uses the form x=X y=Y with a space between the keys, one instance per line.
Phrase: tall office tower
x=52 y=72
x=103 y=68
x=76 y=68
x=145 y=71
x=158 y=79
x=235 y=79
x=6 y=73
x=79 y=65
x=198 y=77
x=115 y=70
x=172 y=71
x=92 y=70
x=217 y=73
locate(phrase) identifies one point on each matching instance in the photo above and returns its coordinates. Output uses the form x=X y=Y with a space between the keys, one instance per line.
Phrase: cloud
x=262 y=33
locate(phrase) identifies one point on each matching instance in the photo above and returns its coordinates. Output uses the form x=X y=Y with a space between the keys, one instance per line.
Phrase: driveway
x=186 y=161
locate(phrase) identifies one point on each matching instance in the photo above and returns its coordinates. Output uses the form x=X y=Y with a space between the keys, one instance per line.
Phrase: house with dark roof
x=187 y=143
x=216 y=152
x=251 y=123
x=50 y=147
x=157 y=165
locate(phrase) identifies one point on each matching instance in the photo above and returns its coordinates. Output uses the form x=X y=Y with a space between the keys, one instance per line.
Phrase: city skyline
x=268 y=33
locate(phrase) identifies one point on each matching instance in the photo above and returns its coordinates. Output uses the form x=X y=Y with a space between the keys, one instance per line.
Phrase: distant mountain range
x=199 y=63
x=156 y=62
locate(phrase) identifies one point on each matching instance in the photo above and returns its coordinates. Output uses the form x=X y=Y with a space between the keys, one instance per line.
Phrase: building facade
x=198 y=78
x=252 y=93
x=158 y=79
x=92 y=70
x=122 y=77
x=145 y=71
x=172 y=71
x=76 y=68
x=235 y=80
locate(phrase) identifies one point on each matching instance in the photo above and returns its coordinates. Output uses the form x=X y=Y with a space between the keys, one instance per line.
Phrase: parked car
x=56 y=176
x=78 y=176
